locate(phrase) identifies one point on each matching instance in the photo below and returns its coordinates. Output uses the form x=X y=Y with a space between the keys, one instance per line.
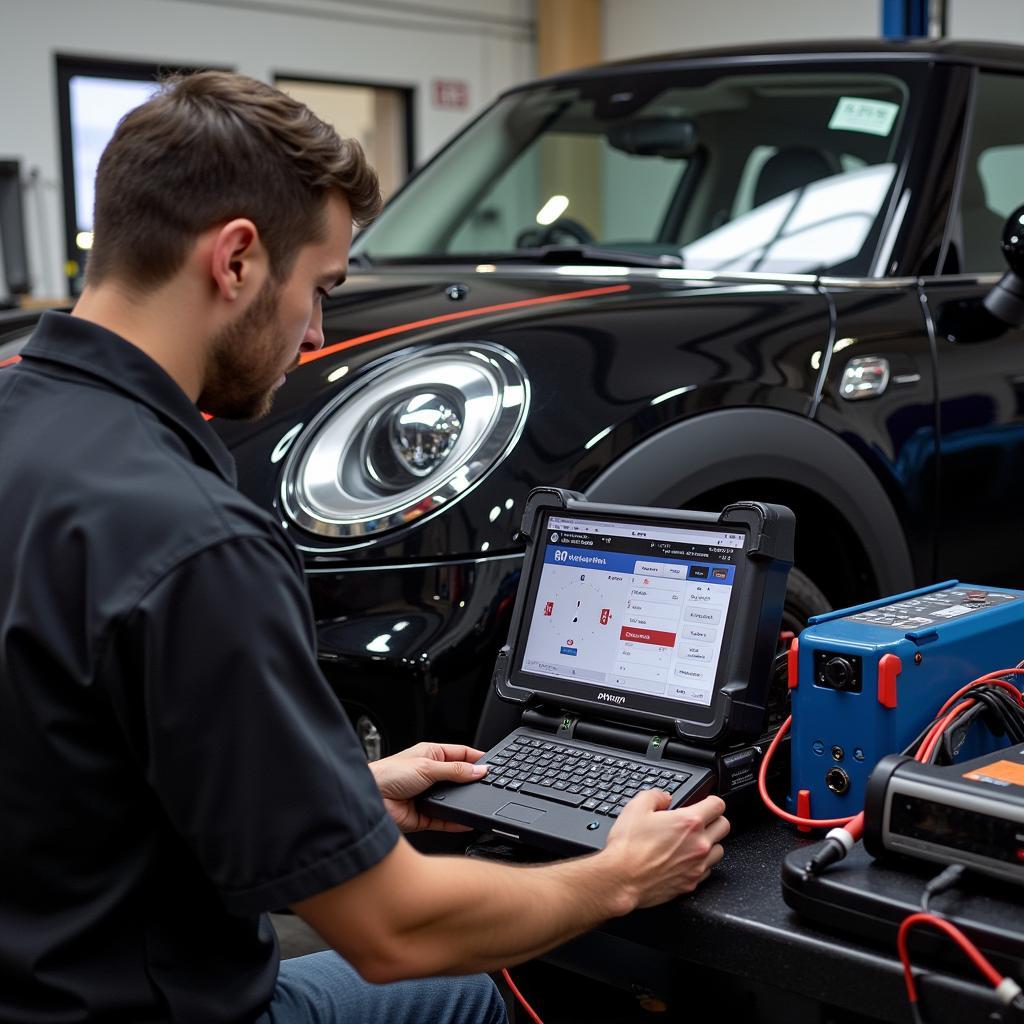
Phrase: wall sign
x=450 y=93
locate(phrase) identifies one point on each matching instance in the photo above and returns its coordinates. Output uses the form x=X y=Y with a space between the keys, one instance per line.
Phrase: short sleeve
x=244 y=744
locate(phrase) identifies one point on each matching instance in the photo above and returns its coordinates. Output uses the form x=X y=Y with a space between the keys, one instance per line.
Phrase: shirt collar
x=105 y=356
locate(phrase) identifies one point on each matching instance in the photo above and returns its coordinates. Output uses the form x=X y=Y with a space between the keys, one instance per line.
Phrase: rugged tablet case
x=739 y=704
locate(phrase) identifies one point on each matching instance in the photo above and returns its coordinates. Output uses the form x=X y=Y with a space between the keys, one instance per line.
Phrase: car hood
x=600 y=346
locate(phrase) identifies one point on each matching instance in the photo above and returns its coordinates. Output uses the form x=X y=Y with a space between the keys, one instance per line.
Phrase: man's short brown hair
x=207 y=148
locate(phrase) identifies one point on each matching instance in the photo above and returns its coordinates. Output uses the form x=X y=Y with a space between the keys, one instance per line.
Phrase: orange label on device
x=999 y=771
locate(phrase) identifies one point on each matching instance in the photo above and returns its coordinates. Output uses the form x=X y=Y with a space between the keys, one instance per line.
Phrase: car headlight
x=408 y=438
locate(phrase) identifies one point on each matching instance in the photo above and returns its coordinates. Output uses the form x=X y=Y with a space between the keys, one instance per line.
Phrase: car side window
x=993 y=174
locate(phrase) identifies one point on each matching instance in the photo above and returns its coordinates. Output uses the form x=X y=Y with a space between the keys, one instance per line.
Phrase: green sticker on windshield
x=874 y=117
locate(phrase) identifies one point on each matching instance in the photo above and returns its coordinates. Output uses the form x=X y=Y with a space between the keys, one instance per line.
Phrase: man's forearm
x=495 y=915
x=412 y=915
x=451 y=915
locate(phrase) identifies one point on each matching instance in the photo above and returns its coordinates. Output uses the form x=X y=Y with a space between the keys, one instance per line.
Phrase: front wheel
x=803 y=599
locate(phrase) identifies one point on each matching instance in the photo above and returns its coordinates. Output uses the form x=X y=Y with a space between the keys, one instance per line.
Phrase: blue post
x=903 y=19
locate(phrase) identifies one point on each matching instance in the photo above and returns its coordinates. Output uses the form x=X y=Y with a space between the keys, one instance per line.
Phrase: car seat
x=789 y=169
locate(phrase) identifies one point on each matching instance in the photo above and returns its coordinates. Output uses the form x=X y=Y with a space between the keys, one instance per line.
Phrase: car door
x=980 y=361
x=879 y=393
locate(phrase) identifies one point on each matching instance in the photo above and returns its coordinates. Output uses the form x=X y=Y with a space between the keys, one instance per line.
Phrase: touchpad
x=519 y=812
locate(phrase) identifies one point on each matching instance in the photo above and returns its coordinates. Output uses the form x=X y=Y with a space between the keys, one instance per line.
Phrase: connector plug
x=838 y=843
x=1008 y=992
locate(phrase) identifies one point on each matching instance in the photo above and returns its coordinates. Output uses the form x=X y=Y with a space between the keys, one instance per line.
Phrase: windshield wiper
x=563 y=254
x=594 y=254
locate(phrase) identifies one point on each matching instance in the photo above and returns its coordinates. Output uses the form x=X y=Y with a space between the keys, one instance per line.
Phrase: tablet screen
x=633 y=607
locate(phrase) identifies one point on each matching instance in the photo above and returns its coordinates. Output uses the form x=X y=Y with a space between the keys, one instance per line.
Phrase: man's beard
x=243 y=364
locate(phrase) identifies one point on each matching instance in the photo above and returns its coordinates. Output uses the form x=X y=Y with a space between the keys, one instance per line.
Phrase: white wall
x=634 y=28
x=1001 y=20
x=487 y=43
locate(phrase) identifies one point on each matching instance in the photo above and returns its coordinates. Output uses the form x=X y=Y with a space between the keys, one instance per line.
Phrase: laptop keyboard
x=576 y=777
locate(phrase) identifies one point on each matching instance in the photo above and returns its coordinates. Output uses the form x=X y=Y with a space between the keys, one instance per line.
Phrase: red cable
x=934 y=735
x=519 y=995
x=762 y=788
x=944 y=718
x=992 y=679
x=979 y=960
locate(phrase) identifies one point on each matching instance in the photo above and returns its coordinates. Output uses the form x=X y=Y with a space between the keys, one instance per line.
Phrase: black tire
x=803 y=599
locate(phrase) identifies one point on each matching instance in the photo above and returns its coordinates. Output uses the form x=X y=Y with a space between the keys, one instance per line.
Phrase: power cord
x=944 y=880
x=519 y=996
x=1006 y=989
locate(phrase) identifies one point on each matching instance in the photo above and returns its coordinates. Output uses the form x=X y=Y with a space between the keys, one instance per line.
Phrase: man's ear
x=238 y=260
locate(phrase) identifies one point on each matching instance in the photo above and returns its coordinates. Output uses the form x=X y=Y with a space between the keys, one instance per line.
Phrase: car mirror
x=1006 y=300
x=655 y=136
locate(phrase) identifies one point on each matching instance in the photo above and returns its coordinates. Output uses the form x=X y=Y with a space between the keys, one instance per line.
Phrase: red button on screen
x=647 y=636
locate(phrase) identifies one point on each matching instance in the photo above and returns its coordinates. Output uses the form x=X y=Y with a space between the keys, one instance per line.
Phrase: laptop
x=640 y=651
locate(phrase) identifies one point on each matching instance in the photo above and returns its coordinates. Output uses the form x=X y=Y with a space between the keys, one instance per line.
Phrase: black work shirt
x=172 y=762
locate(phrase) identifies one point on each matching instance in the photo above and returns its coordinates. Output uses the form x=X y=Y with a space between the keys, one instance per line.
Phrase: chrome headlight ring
x=411 y=436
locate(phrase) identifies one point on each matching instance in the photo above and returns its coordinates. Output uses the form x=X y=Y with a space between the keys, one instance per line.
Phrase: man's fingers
x=715 y=854
x=708 y=809
x=459 y=752
x=440 y=825
x=718 y=829
x=452 y=771
x=648 y=800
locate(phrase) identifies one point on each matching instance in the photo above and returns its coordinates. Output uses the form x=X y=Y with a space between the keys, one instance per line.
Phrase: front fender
x=713 y=449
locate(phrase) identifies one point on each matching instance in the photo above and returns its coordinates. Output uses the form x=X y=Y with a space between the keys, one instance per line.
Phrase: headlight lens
x=412 y=438
x=406 y=439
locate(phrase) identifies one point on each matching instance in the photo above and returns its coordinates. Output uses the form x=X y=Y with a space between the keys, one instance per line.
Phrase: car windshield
x=786 y=171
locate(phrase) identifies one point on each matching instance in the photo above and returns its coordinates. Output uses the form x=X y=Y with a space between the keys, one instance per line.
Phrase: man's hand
x=662 y=853
x=410 y=772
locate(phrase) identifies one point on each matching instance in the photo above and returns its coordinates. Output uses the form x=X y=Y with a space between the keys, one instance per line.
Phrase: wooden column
x=569 y=37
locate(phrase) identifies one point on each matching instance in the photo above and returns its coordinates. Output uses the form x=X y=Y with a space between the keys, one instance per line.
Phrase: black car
x=675 y=281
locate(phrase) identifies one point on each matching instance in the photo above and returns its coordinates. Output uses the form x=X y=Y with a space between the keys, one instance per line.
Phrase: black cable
x=1006 y=711
x=1013 y=716
x=997 y=715
x=944 y=880
x=997 y=709
x=956 y=730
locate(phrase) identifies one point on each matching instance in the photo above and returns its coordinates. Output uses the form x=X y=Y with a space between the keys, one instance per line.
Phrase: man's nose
x=313 y=340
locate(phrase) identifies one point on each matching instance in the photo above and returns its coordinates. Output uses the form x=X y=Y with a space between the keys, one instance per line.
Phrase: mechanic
x=173 y=764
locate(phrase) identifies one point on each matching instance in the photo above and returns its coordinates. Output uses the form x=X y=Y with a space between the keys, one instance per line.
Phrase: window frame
x=67 y=67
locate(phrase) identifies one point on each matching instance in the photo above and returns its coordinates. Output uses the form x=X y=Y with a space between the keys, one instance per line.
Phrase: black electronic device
x=641 y=648
x=970 y=814
x=870 y=899
x=12 y=230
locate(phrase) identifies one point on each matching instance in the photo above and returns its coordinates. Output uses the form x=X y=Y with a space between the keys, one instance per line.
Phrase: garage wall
x=1002 y=20
x=488 y=44
x=632 y=29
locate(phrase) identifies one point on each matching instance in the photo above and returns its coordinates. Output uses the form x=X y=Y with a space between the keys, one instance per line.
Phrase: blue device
x=865 y=681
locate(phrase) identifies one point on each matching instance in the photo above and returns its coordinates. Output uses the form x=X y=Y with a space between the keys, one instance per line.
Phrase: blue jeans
x=322 y=988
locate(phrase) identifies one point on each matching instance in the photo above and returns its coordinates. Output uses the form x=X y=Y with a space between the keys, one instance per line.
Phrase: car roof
x=957 y=51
